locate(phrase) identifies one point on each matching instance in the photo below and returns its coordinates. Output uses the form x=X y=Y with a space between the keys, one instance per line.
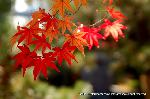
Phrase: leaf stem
x=99 y=21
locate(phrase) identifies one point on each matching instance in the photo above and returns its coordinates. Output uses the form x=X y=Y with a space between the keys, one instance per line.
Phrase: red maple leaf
x=113 y=28
x=115 y=14
x=41 y=42
x=50 y=20
x=92 y=36
x=41 y=64
x=51 y=27
x=66 y=53
x=25 y=58
x=26 y=34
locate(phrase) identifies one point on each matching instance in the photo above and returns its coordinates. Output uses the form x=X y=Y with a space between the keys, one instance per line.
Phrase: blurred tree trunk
x=5 y=78
x=5 y=59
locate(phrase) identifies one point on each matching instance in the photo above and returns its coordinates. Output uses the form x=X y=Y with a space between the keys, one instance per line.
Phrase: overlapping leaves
x=45 y=28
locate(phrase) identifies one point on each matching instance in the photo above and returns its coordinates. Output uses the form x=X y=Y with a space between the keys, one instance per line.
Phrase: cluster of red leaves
x=110 y=28
x=44 y=27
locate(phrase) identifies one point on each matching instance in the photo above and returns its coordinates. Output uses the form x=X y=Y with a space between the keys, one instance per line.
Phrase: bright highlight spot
x=21 y=6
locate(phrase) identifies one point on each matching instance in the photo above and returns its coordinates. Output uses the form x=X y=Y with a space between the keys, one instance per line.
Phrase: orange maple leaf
x=110 y=1
x=60 y=6
x=66 y=24
x=36 y=16
x=51 y=33
x=77 y=2
x=76 y=39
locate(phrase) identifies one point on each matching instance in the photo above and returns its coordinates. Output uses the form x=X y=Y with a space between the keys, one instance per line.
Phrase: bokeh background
x=114 y=67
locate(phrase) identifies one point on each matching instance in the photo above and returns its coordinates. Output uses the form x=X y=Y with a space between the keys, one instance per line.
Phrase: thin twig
x=99 y=21
x=77 y=9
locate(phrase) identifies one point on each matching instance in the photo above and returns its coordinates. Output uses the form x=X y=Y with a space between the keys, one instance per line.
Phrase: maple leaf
x=13 y=40
x=51 y=33
x=50 y=21
x=25 y=58
x=41 y=42
x=51 y=27
x=60 y=6
x=66 y=53
x=77 y=2
x=91 y=36
x=66 y=24
x=41 y=65
x=36 y=16
x=26 y=34
x=115 y=14
x=113 y=28
x=110 y=1
x=76 y=39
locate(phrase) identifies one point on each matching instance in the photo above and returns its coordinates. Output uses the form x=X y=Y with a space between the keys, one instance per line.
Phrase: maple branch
x=99 y=21
x=77 y=9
